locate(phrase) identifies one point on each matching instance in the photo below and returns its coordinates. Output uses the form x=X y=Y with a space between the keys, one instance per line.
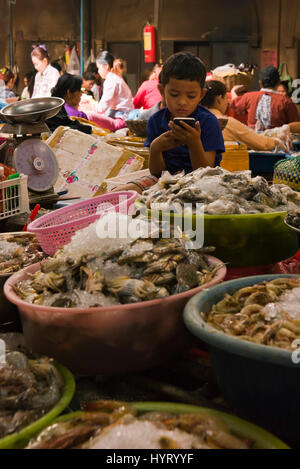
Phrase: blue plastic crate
x=261 y=162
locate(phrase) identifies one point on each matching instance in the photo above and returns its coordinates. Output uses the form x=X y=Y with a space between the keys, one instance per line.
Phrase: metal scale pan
x=31 y=111
x=33 y=157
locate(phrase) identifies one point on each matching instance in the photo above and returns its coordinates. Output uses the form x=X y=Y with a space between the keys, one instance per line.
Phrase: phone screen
x=188 y=120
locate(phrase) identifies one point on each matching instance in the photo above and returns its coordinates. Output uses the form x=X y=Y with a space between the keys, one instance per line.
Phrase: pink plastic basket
x=55 y=229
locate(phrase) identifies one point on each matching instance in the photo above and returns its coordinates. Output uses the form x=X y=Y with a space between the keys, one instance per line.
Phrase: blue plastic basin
x=260 y=382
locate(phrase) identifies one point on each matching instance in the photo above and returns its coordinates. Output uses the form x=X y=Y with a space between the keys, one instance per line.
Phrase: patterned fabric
x=6 y=93
x=283 y=110
x=263 y=113
x=288 y=172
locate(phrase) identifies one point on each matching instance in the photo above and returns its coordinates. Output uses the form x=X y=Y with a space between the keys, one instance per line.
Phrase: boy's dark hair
x=183 y=66
x=269 y=76
x=214 y=88
x=66 y=82
x=89 y=76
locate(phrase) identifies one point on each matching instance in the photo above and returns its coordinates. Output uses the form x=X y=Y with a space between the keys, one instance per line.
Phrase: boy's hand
x=185 y=135
x=165 y=142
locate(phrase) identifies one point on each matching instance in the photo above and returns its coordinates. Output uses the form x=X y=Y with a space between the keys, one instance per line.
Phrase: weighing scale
x=25 y=151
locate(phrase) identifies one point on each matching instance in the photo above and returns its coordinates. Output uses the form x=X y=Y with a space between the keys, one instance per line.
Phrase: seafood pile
x=138 y=270
x=18 y=251
x=293 y=218
x=267 y=313
x=116 y=425
x=221 y=192
x=29 y=388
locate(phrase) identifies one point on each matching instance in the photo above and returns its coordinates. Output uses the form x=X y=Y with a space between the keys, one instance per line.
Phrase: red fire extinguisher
x=150 y=43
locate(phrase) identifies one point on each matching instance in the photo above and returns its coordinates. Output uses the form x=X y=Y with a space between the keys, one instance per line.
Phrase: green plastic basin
x=242 y=240
x=20 y=439
x=262 y=439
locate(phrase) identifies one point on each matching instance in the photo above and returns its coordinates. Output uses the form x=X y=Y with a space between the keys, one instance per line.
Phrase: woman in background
x=29 y=84
x=148 y=94
x=9 y=80
x=216 y=101
x=47 y=76
x=68 y=88
x=88 y=81
x=97 y=87
x=116 y=101
x=282 y=88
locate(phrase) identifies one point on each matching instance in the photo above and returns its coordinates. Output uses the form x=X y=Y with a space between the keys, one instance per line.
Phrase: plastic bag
x=73 y=65
x=283 y=138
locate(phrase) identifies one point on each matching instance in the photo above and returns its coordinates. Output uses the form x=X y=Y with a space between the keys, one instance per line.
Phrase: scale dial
x=36 y=159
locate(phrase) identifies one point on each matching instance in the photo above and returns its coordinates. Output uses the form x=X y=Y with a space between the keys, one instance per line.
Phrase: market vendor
x=216 y=101
x=68 y=88
x=148 y=94
x=47 y=76
x=88 y=81
x=266 y=108
x=116 y=101
x=97 y=87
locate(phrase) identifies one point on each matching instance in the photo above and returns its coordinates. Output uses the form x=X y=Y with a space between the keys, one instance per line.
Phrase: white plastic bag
x=283 y=138
x=73 y=66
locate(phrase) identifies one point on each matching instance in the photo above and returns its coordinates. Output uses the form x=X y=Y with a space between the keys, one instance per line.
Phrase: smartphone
x=187 y=120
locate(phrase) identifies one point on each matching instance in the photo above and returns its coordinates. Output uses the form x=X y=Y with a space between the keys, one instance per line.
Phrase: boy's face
x=182 y=96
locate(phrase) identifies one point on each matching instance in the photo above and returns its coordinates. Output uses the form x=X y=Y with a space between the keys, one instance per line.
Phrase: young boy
x=176 y=147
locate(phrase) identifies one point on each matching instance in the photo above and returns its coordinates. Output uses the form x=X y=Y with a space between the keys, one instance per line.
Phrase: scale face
x=36 y=159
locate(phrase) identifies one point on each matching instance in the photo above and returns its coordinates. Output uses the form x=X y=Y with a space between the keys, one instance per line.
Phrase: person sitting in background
x=97 y=87
x=145 y=115
x=47 y=76
x=9 y=80
x=148 y=94
x=88 y=81
x=217 y=102
x=29 y=84
x=266 y=108
x=68 y=88
x=116 y=100
x=282 y=88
